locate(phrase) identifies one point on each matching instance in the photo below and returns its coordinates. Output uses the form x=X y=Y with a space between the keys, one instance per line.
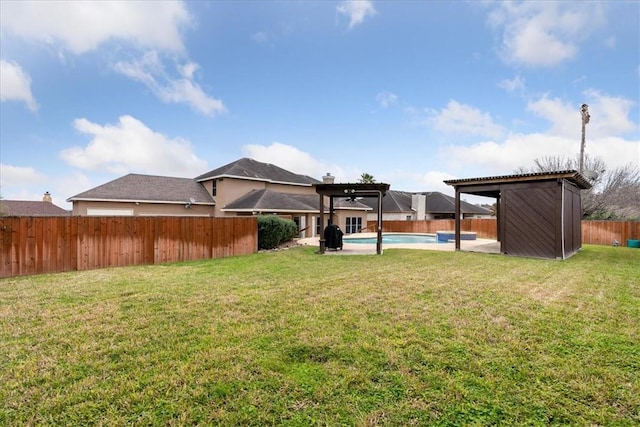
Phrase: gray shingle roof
x=274 y=201
x=30 y=208
x=441 y=203
x=400 y=201
x=252 y=169
x=148 y=188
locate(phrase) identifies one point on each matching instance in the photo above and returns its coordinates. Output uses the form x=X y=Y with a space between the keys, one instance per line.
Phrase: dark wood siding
x=529 y=218
x=572 y=217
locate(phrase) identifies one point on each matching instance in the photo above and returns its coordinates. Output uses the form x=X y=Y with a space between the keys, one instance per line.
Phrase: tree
x=618 y=196
x=366 y=178
x=615 y=193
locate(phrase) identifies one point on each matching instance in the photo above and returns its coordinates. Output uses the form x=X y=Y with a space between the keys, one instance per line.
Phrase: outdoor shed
x=538 y=214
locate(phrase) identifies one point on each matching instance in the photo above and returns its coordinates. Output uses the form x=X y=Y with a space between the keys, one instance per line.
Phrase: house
x=31 y=208
x=242 y=188
x=145 y=195
x=248 y=187
x=412 y=206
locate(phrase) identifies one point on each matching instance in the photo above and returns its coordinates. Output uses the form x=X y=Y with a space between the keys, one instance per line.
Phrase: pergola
x=351 y=190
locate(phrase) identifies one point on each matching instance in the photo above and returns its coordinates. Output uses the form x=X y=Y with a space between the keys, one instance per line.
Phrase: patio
x=479 y=245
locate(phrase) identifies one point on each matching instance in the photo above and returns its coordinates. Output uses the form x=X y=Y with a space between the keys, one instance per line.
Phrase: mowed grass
x=293 y=338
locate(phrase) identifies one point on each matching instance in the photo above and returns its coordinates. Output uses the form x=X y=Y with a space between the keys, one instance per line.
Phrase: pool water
x=393 y=238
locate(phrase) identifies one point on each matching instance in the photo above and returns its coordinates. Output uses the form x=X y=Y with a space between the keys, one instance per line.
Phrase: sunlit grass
x=294 y=338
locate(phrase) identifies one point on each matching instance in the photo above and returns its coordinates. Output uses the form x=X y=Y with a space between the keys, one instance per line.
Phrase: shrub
x=273 y=230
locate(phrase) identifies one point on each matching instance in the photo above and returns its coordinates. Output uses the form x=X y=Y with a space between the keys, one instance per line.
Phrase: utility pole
x=584 y=110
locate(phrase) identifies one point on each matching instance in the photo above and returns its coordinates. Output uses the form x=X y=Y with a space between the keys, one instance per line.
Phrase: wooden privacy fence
x=593 y=232
x=36 y=245
x=606 y=232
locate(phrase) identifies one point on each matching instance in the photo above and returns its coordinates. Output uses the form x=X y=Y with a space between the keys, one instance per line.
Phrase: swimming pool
x=393 y=238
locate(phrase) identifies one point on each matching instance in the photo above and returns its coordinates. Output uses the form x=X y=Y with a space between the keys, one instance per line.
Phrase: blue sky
x=411 y=92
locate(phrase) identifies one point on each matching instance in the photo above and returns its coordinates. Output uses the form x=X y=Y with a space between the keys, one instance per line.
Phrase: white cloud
x=26 y=183
x=82 y=26
x=130 y=146
x=16 y=176
x=15 y=85
x=544 y=34
x=70 y=184
x=356 y=10
x=499 y=158
x=610 y=42
x=512 y=85
x=386 y=99
x=464 y=119
x=517 y=150
x=261 y=37
x=292 y=159
x=182 y=88
x=565 y=118
x=605 y=137
x=609 y=115
x=434 y=181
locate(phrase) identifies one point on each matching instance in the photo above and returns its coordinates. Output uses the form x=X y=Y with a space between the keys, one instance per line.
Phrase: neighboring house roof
x=441 y=203
x=273 y=201
x=148 y=188
x=246 y=168
x=30 y=208
x=394 y=201
x=436 y=202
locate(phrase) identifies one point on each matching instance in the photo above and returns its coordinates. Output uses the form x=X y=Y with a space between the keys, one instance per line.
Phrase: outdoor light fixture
x=352 y=197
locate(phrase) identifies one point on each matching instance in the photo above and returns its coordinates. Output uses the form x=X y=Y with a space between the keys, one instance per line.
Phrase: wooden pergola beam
x=377 y=190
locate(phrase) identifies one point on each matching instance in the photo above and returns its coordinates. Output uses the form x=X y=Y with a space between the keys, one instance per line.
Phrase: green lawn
x=295 y=338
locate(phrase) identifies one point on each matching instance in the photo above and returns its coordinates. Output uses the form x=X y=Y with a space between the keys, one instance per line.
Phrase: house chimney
x=328 y=179
x=47 y=197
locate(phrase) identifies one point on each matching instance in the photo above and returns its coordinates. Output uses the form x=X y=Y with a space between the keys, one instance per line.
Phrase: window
x=301 y=223
x=213 y=188
x=354 y=224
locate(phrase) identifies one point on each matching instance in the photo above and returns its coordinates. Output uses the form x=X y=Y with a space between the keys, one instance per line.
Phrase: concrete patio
x=479 y=245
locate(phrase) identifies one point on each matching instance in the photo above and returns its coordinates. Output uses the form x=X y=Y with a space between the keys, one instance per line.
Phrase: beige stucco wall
x=391 y=216
x=83 y=208
x=229 y=189
x=292 y=189
x=340 y=218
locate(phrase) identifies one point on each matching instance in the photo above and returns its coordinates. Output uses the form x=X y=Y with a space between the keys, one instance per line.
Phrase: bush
x=273 y=230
